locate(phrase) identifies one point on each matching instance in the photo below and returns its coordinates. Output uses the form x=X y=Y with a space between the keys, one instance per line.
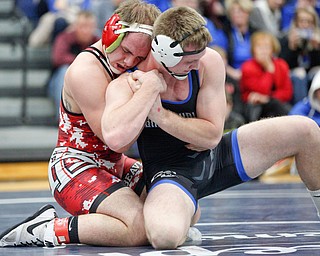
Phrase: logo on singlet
x=151 y=124
x=164 y=174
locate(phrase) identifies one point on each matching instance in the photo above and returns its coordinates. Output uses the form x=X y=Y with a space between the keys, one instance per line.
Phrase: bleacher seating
x=27 y=122
x=24 y=71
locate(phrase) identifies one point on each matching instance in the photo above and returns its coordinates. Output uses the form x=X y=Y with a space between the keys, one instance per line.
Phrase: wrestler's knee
x=306 y=128
x=126 y=207
x=165 y=236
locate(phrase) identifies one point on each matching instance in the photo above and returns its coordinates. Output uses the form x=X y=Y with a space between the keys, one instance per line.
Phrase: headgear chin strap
x=177 y=76
x=115 y=29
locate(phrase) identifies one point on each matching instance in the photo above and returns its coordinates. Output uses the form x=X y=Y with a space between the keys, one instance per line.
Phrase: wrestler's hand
x=258 y=98
x=151 y=78
x=133 y=83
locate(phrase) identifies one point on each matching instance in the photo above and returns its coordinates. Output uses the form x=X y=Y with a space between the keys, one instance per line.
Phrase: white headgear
x=165 y=49
x=169 y=52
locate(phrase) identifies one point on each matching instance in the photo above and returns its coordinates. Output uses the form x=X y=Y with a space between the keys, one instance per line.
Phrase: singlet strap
x=102 y=59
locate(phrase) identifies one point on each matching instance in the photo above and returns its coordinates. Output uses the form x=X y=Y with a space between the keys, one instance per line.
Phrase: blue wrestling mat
x=250 y=219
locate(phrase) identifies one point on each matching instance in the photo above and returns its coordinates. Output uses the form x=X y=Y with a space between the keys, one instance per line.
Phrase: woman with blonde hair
x=265 y=86
x=238 y=33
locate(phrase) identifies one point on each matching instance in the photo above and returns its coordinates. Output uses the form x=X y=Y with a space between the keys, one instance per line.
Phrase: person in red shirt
x=266 y=87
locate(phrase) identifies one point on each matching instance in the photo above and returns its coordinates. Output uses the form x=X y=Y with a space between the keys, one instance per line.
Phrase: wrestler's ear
x=110 y=39
x=165 y=50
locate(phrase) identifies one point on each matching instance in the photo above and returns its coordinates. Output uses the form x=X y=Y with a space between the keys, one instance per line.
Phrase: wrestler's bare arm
x=206 y=130
x=127 y=108
x=84 y=91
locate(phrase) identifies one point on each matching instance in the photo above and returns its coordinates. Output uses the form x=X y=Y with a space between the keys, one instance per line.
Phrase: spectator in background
x=29 y=8
x=233 y=119
x=66 y=47
x=289 y=9
x=194 y=4
x=310 y=106
x=232 y=86
x=161 y=4
x=60 y=14
x=216 y=33
x=265 y=85
x=102 y=9
x=301 y=49
x=238 y=34
x=215 y=11
x=266 y=16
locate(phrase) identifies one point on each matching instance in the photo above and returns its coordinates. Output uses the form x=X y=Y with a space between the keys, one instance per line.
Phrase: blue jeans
x=300 y=88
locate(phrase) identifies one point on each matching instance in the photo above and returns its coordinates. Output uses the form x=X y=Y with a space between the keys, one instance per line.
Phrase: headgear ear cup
x=110 y=39
x=165 y=49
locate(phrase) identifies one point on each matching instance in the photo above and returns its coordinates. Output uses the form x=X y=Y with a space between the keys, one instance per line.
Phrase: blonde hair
x=315 y=30
x=246 y=5
x=309 y=10
x=86 y=14
x=136 y=11
x=265 y=35
x=183 y=23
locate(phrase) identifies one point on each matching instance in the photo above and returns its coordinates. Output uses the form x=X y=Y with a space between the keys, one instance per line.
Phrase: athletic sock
x=315 y=195
x=66 y=230
x=73 y=230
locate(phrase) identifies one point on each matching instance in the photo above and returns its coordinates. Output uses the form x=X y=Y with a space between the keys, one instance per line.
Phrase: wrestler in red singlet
x=83 y=170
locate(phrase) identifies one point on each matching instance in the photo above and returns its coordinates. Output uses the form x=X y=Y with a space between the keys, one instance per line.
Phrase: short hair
x=136 y=11
x=86 y=15
x=276 y=48
x=183 y=23
x=246 y=5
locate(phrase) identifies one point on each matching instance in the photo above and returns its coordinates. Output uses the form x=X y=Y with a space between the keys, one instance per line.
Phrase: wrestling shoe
x=31 y=231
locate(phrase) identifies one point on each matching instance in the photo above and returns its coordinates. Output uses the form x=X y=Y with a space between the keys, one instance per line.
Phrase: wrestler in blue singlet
x=167 y=160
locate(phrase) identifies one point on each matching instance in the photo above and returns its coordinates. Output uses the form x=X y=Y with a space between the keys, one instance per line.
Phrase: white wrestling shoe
x=194 y=236
x=31 y=231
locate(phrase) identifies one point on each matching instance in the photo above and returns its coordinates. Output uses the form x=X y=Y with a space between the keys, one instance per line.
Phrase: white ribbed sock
x=315 y=196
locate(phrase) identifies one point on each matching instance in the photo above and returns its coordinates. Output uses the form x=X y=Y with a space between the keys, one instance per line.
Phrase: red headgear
x=115 y=29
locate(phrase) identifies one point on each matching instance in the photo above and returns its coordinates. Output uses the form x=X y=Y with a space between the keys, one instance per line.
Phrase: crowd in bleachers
x=271 y=48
